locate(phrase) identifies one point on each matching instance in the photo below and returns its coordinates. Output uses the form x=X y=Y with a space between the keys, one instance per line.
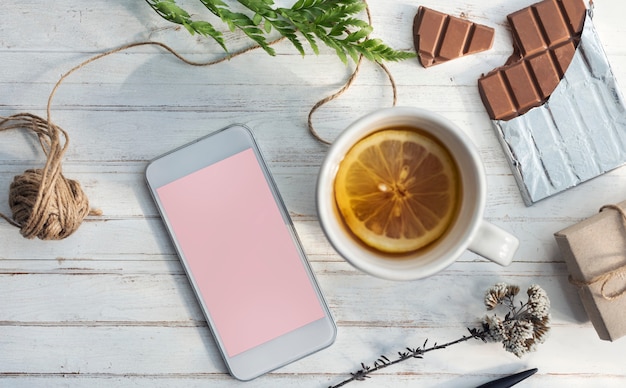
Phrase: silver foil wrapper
x=579 y=133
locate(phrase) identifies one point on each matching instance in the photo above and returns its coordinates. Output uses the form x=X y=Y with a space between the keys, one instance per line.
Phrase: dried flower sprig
x=520 y=331
x=523 y=327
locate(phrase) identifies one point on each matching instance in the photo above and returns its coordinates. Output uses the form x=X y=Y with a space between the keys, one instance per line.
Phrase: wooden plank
x=188 y=352
x=154 y=292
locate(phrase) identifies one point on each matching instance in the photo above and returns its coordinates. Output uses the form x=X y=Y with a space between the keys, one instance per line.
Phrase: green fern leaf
x=332 y=22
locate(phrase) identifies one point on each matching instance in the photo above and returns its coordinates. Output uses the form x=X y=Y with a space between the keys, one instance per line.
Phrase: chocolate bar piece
x=439 y=37
x=578 y=133
x=545 y=37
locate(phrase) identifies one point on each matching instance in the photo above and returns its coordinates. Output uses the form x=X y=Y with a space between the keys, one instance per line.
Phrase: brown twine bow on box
x=605 y=278
x=47 y=205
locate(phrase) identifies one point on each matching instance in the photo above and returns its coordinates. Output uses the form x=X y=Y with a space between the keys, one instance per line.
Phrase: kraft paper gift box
x=595 y=253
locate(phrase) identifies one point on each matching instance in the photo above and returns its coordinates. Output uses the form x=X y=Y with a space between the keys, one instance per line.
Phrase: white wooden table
x=111 y=306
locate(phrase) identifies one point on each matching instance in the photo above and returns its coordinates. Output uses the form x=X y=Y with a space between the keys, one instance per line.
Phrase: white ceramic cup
x=468 y=230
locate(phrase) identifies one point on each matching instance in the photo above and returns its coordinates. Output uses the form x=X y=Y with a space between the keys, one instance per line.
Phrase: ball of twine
x=49 y=211
x=44 y=203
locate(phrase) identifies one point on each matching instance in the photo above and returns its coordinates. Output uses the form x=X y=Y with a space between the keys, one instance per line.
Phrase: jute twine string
x=606 y=277
x=44 y=203
x=47 y=205
x=347 y=85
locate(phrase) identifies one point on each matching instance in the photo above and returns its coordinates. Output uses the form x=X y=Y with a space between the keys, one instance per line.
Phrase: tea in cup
x=401 y=195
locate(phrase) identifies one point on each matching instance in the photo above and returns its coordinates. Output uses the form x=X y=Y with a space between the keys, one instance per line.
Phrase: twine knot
x=603 y=280
x=44 y=203
x=606 y=277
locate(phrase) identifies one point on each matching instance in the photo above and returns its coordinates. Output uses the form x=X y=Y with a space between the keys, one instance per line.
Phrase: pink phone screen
x=240 y=253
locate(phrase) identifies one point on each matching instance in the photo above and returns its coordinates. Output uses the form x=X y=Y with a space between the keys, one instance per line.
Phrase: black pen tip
x=509 y=381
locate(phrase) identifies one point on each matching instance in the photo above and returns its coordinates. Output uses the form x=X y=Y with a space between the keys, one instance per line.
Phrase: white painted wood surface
x=110 y=306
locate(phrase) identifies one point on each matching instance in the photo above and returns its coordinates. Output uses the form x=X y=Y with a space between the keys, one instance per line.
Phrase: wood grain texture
x=111 y=306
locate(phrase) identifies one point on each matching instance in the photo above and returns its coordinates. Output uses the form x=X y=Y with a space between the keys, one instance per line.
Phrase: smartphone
x=240 y=251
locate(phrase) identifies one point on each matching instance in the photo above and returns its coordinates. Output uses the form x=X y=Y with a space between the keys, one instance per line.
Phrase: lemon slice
x=397 y=190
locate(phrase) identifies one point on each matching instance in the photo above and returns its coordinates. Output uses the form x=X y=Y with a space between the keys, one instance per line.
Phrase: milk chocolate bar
x=579 y=132
x=439 y=37
x=545 y=38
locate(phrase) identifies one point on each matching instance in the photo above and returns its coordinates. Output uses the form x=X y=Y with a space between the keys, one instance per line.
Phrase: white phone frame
x=204 y=152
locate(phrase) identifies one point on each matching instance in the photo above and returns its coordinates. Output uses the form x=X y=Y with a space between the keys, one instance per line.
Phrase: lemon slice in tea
x=397 y=190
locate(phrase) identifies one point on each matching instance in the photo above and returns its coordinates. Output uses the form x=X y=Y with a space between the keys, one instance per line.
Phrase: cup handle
x=494 y=243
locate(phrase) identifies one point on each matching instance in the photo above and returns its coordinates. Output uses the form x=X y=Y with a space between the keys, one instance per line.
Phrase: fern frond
x=170 y=11
x=332 y=22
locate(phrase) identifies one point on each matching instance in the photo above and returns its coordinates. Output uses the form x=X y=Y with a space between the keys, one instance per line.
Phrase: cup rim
x=354 y=252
